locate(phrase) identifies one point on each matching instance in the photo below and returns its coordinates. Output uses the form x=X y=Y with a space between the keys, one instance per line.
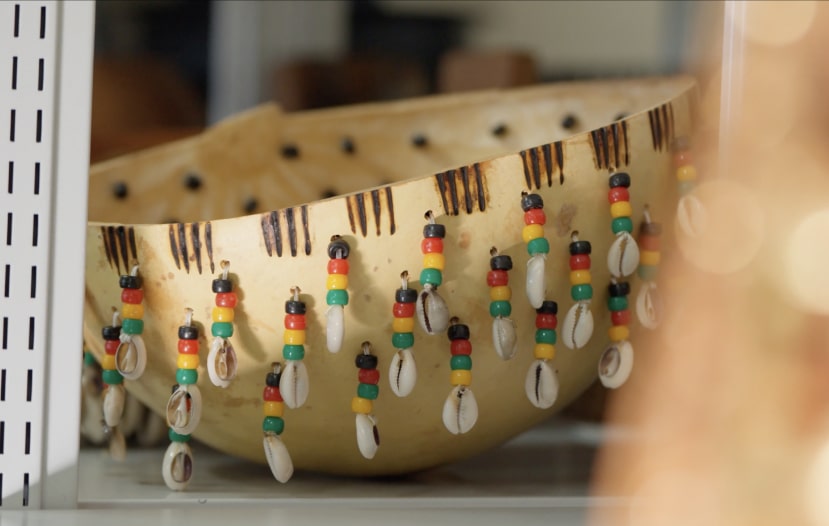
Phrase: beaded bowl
x=267 y=190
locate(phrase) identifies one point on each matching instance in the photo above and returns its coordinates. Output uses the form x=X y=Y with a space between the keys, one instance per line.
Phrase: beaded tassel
x=368 y=438
x=616 y=362
x=402 y=371
x=113 y=395
x=337 y=296
x=504 y=338
x=541 y=384
x=183 y=408
x=460 y=411
x=578 y=323
x=649 y=300
x=690 y=213
x=537 y=246
x=294 y=383
x=131 y=355
x=623 y=256
x=273 y=424
x=432 y=311
x=221 y=360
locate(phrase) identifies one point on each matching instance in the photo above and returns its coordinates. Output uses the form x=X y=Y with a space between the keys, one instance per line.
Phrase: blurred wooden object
x=467 y=70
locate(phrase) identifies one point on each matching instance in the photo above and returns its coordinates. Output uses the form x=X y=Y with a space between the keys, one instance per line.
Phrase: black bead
x=569 y=121
x=619 y=179
x=650 y=229
x=580 y=247
x=290 y=151
x=338 y=245
x=222 y=285
x=420 y=140
x=530 y=201
x=250 y=205
x=405 y=296
x=188 y=332
x=621 y=288
x=434 y=230
x=366 y=361
x=500 y=263
x=111 y=333
x=499 y=130
x=272 y=379
x=192 y=181
x=294 y=307
x=347 y=145
x=459 y=331
x=119 y=190
x=130 y=282
x=548 y=307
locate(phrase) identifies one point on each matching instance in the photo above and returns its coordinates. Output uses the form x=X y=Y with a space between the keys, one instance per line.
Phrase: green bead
x=337 y=297
x=648 y=272
x=88 y=359
x=402 y=340
x=461 y=361
x=545 y=336
x=685 y=187
x=616 y=303
x=273 y=424
x=175 y=437
x=131 y=326
x=222 y=329
x=432 y=276
x=539 y=245
x=187 y=376
x=622 y=224
x=293 y=352
x=112 y=377
x=500 y=308
x=368 y=391
x=581 y=292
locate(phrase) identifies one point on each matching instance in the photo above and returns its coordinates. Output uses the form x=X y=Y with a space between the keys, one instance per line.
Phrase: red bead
x=431 y=244
x=111 y=346
x=188 y=346
x=368 y=376
x=497 y=278
x=535 y=216
x=683 y=158
x=226 y=299
x=295 y=321
x=461 y=347
x=620 y=193
x=546 y=321
x=620 y=317
x=650 y=243
x=271 y=394
x=338 y=266
x=403 y=310
x=580 y=262
x=134 y=296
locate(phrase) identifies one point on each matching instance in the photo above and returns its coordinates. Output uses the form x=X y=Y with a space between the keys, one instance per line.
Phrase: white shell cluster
x=278 y=457
x=402 y=373
x=114 y=398
x=616 y=364
x=649 y=307
x=131 y=356
x=460 y=411
x=294 y=384
x=536 y=281
x=541 y=384
x=177 y=468
x=623 y=256
x=432 y=312
x=368 y=438
x=221 y=362
x=184 y=409
x=504 y=338
x=578 y=325
x=335 y=328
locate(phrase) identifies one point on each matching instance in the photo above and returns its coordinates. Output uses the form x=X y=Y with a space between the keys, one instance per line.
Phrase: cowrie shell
x=279 y=460
x=578 y=325
x=184 y=409
x=616 y=364
x=177 y=468
x=402 y=373
x=541 y=385
x=504 y=338
x=432 y=312
x=335 y=328
x=536 y=281
x=649 y=306
x=460 y=411
x=294 y=384
x=691 y=215
x=131 y=356
x=221 y=362
x=117 y=444
x=114 y=399
x=368 y=438
x=623 y=256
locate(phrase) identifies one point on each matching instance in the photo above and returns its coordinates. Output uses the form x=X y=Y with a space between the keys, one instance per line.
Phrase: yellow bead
x=361 y=405
x=618 y=333
x=108 y=362
x=649 y=257
x=544 y=351
x=222 y=314
x=294 y=337
x=531 y=232
x=461 y=377
x=500 y=293
x=580 y=277
x=621 y=209
x=336 y=282
x=133 y=311
x=686 y=173
x=434 y=260
x=403 y=325
x=187 y=361
x=273 y=409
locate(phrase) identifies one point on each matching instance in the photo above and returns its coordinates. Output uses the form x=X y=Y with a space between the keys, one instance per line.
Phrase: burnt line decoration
x=119 y=245
x=610 y=146
x=545 y=159
x=186 y=240
x=357 y=206
x=272 y=231
x=661 y=121
x=463 y=189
